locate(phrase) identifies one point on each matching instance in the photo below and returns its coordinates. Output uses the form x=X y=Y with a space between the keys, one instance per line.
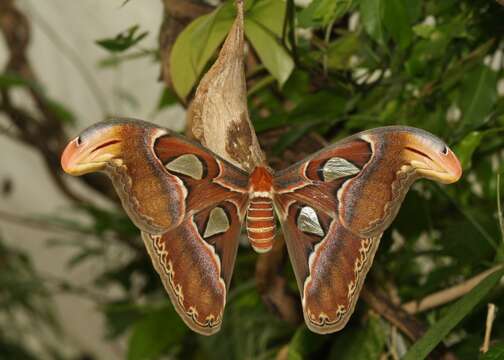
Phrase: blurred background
x=75 y=281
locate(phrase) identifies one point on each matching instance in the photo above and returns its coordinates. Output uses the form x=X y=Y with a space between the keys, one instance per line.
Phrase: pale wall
x=78 y=24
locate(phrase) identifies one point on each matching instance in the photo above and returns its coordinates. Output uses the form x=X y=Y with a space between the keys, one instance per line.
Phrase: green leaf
x=323 y=12
x=496 y=352
x=197 y=43
x=465 y=148
x=414 y=10
x=331 y=10
x=268 y=13
x=290 y=137
x=396 y=21
x=479 y=94
x=83 y=255
x=167 y=98
x=304 y=342
x=120 y=315
x=272 y=54
x=362 y=343
x=424 y=30
x=62 y=113
x=372 y=15
x=123 y=41
x=454 y=315
x=305 y=17
x=8 y=80
x=195 y=46
x=314 y=109
x=341 y=50
x=155 y=333
x=114 y=59
x=263 y=27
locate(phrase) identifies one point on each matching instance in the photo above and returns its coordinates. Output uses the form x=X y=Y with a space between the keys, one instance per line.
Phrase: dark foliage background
x=315 y=74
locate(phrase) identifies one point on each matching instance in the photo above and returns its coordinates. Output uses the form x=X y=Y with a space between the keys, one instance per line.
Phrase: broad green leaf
x=363 y=343
x=197 y=43
x=268 y=13
x=123 y=41
x=465 y=148
x=195 y=46
x=305 y=17
x=396 y=21
x=496 y=352
x=454 y=315
x=272 y=54
x=372 y=15
x=331 y=10
x=323 y=12
x=479 y=94
x=263 y=28
x=155 y=333
x=341 y=50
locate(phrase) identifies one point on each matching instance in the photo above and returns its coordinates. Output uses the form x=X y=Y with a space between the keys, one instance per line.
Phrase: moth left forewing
x=195 y=262
x=206 y=178
x=152 y=198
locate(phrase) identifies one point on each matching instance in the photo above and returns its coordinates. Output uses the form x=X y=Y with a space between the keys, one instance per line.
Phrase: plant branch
x=272 y=284
x=408 y=324
x=447 y=295
x=488 y=327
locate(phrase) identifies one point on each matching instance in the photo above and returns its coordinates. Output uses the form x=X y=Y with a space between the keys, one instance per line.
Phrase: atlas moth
x=190 y=205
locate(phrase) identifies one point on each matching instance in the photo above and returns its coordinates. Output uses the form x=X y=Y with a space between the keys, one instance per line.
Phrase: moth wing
x=195 y=262
x=334 y=207
x=188 y=202
x=330 y=263
x=161 y=176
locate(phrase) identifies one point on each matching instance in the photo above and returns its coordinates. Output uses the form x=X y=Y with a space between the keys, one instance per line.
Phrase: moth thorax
x=261 y=224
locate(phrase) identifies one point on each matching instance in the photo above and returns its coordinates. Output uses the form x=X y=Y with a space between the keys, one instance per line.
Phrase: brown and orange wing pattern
x=188 y=202
x=335 y=205
x=195 y=262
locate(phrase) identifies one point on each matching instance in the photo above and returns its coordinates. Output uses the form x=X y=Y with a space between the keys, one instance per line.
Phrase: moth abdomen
x=261 y=226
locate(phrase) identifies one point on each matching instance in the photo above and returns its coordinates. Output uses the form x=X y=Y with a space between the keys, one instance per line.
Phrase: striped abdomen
x=261 y=224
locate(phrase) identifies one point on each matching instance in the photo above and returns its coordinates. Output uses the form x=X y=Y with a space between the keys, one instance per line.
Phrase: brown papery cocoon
x=218 y=116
